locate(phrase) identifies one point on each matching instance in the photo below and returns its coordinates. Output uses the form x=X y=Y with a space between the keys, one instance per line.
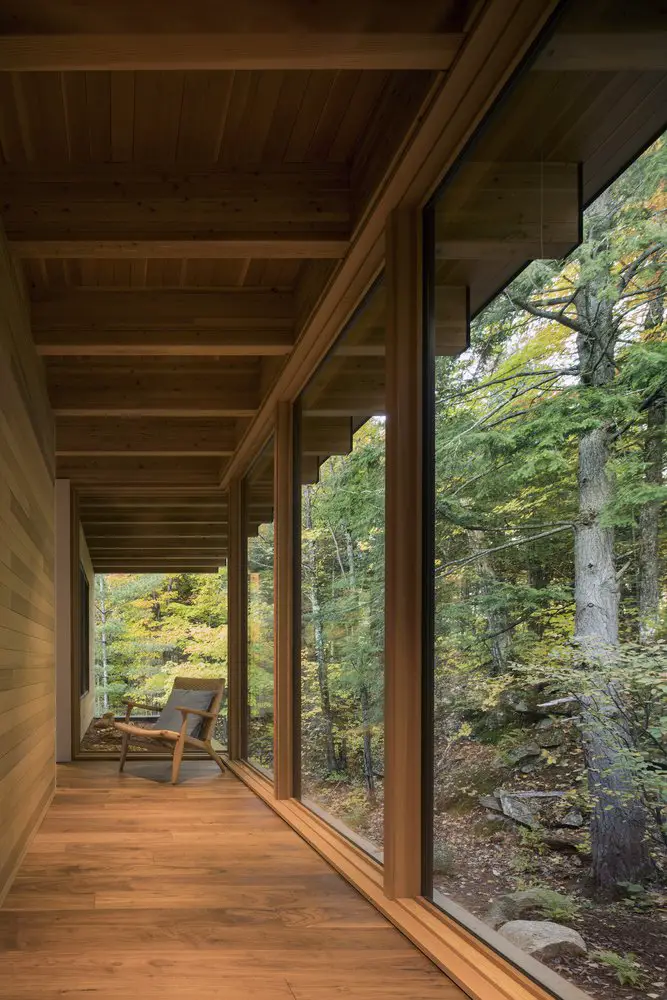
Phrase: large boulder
x=544 y=939
x=490 y=802
x=526 y=904
x=519 y=755
x=530 y=808
x=518 y=810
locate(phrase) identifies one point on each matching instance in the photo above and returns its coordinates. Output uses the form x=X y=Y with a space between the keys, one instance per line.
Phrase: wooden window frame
x=240 y=684
x=84 y=632
x=453 y=940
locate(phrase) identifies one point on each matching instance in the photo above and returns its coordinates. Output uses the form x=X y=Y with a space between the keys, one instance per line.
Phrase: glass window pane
x=342 y=475
x=549 y=611
x=259 y=541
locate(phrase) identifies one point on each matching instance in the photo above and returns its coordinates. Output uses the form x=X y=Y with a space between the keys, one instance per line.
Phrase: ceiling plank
x=144 y=436
x=237 y=51
x=621 y=51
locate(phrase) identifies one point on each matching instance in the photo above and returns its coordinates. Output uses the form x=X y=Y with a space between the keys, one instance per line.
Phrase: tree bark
x=618 y=821
x=648 y=582
x=103 y=639
x=364 y=695
x=497 y=620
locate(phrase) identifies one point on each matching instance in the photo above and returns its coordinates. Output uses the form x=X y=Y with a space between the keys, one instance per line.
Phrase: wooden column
x=237 y=623
x=284 y=742
x=403 y=603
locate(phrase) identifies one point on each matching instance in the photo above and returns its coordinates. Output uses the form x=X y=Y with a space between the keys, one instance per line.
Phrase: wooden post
x=237 y=701
x=403 y=602
x=284 y=721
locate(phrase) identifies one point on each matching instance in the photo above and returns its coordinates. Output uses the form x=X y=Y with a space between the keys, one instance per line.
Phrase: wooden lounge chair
x=187 y=720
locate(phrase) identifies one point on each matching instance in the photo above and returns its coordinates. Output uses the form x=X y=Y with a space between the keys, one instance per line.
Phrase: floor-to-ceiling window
x=259 y=630
x=341 y=469
x=548 y=587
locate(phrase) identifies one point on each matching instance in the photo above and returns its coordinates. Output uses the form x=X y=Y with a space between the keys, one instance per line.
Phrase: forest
x=150 y=628
x=550 y=606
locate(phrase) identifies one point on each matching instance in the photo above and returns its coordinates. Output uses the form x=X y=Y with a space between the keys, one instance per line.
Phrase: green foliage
x=628 y=970
x=152 y=627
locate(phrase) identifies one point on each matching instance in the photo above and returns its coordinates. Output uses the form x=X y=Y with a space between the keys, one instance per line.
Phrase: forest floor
x=479 y=856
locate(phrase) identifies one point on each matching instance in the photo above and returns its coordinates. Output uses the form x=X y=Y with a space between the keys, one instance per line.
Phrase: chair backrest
x=216 y=685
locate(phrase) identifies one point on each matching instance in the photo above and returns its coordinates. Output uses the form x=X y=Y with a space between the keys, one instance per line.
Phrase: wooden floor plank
x=135 y=887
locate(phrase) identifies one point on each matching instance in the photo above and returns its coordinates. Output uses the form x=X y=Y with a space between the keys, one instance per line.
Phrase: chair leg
x=123 y=751
x=211 y=752
x=177 y=758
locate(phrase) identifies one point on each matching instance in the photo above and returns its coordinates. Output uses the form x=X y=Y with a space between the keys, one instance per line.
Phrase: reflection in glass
x=549 y=612
x=259 y=540
x=342 y=471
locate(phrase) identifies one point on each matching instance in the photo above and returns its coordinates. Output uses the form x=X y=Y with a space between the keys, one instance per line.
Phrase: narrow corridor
x=133 y=887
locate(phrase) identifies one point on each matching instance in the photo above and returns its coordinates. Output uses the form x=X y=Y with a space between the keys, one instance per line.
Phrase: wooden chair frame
x=173 y=741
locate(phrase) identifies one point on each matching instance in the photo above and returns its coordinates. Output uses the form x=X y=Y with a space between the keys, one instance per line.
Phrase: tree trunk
x=618 y=821
x=498 y=627
x=318 y=636
x=595 y=587
x=648 y=582
x=364 y=695
x=103 y=639
x=369 y=776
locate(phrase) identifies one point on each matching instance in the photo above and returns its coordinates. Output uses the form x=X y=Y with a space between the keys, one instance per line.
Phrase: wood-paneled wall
x=27 y=702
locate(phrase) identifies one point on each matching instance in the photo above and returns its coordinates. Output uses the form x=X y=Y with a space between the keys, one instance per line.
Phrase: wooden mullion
x=237 y=612
x=403 y=601
x=75 y=613
x=284 y=742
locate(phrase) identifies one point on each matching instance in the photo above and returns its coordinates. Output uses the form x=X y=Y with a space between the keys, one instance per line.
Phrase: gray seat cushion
x=170 y=719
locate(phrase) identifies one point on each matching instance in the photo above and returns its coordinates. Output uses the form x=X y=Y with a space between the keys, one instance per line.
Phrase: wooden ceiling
x=181 y=181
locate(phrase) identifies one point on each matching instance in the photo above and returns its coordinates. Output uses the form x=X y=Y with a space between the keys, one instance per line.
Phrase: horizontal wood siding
x=27 y=705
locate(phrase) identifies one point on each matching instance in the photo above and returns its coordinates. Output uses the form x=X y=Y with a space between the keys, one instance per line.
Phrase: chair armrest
x=137 y=704
x=196 y=711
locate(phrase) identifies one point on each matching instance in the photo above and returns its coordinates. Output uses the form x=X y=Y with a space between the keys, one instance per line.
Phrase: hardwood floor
x=133 y=887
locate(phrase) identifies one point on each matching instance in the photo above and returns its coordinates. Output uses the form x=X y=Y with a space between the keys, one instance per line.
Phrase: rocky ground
x=510 y=845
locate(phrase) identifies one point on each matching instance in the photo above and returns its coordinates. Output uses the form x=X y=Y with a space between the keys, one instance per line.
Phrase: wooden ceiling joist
x=81 y=341
x=145 y=436
x=219 y=245
x=147 y=471
x=141 y=392
x=153 y=309
x=155 y=517
x=288 y=212
x=497 y=210
x=237 y=51
x=158 y=566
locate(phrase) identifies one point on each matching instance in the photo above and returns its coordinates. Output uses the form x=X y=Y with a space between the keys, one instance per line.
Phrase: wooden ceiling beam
x=165 y=246
x=89 y=321
x=148 y=436
x=158 y=471
x=157 y=566
x=82 y=341
x=234 y=51
x=522 y=211
x=100 y=392
x=326 y=436
x=102 y=212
